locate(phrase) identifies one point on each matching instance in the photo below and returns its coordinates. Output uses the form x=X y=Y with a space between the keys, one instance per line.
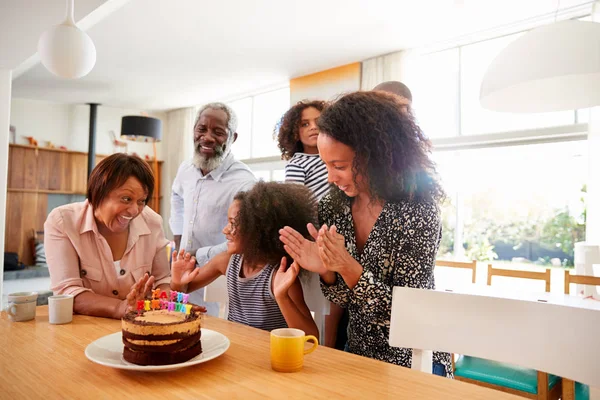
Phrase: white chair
x=316 y=302
x=216 y=292
x=556 y=335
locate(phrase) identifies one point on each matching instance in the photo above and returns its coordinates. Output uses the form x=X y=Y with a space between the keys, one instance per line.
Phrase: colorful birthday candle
x=163 y=304
x=185 y=298
x=163 y=295
x=147 y=305
x=171 y=306
x=178 y=307
x=140 y=305
x=155 y=293
x=188 y=308
x=179 y=296
x=155 y=304
x=173 y=295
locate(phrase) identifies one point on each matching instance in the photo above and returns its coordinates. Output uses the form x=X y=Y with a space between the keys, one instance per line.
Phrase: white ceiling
x=164 y=54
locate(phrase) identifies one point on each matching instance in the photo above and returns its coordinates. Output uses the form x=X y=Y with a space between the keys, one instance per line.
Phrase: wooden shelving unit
x=34 y=173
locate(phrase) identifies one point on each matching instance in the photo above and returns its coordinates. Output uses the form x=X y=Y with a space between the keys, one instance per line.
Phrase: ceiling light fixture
x=66 y=50
x=554 y=67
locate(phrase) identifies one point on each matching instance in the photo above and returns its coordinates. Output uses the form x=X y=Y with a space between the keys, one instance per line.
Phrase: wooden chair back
x=472 y=265
x=542 y=276
x=580 y=279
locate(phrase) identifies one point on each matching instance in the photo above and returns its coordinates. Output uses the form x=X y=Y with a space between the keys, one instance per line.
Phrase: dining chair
x=316 y=301
x=579 y=279
x=524 y=382
x=572 y=390
x=511 y=273
x=216 y=292
x=472 y=265
x=509 y=331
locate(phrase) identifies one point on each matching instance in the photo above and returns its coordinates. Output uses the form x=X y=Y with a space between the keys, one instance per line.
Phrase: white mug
x=60 y=309
x=21 y=306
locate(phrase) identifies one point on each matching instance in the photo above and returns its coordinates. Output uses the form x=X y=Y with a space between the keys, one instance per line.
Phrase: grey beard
x=208 y=164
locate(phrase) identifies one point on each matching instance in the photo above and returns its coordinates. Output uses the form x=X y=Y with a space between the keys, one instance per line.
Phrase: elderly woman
x=109 y=250
x=381 y=223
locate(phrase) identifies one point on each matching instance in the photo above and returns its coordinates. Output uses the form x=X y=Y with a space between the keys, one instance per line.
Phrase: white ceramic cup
x=60 y=309
x=21 y=306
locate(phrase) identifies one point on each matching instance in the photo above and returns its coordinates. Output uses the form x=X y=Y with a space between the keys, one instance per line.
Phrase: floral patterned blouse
x=400 y=251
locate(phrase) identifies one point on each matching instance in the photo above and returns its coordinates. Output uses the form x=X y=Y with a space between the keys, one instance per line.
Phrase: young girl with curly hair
x=264 y=289
x=381 y=223
x=297 y=140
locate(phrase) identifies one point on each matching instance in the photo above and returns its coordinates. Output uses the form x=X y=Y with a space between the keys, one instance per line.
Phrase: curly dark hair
x=264 y=210
x=287 y=131
x=392 y=151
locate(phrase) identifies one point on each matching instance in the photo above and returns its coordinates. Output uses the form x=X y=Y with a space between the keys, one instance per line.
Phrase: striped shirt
x=309 y=170
x=251 y=301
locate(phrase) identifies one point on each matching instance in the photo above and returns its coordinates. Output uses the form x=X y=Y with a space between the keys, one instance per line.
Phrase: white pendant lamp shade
x=552 y=68
x=66 y=50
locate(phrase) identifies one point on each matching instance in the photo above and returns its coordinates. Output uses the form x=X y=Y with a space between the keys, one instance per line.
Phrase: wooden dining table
x=40 y=360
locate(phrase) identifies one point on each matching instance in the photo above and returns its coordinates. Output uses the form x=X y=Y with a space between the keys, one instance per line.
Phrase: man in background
x=204 y=188
x=399 y=89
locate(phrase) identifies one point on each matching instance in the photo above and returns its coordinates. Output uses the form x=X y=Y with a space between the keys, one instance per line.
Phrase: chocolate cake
x=160 y=337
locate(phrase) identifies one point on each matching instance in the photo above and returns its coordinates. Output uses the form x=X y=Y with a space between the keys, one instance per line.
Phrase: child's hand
x=183 y=268
x=284 y=278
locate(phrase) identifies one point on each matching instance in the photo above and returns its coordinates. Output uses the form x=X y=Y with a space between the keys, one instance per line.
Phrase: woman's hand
x=336 y=258
x=332 y=249
x=284 y=278
x=183 y=269
x=138 y=291
x=303 y=251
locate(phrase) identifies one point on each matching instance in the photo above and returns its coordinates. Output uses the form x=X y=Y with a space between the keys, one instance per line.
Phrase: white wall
x=40 y=119
x=5 y=94
x=68 y=125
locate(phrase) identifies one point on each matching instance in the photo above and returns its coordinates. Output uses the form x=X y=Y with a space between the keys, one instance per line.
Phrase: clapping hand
x=284 y=277
x=332 y=249
x=138 y=292
x=302 y=250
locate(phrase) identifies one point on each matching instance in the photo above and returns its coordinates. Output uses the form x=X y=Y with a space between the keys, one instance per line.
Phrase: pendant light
x=554 y=67
x=66 y=50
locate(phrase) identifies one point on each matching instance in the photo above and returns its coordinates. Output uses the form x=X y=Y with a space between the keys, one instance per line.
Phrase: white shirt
x=199 y=205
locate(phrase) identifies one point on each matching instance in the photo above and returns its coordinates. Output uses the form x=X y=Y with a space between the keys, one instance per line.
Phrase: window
x=474 y=61
x=434 y=86
x=279 y=175
x=263 y=175
x=243 y=110
x=519 y=203
x=257 y=116
x=268 y=110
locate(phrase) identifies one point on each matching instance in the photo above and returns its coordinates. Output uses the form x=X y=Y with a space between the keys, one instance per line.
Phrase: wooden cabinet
x=34 y=174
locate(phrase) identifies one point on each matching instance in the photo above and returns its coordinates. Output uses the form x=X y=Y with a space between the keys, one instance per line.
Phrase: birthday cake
x=161 y=332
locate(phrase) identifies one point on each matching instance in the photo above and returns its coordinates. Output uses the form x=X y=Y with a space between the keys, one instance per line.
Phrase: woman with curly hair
x=297 y=140
x=263 y=291
x=381 y=225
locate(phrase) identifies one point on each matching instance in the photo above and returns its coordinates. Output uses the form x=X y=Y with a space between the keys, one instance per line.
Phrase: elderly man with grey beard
x=204 y=188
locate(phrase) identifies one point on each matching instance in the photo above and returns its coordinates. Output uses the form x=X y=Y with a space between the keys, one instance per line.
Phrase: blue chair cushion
x=582 y=392
x=500 y=374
